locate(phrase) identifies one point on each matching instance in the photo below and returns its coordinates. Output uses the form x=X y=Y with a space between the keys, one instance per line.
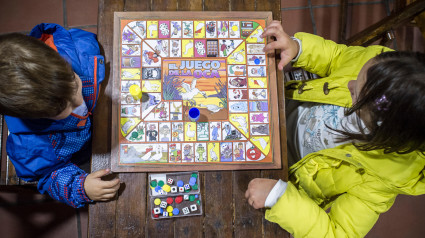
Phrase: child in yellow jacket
x=359 y=137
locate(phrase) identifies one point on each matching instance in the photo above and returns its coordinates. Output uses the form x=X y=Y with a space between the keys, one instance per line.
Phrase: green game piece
x=187 y=190
x=199 y=202
x=153 y=183
x=161 y=183
x=195 y=187
x=194 y=175
x=192 y=198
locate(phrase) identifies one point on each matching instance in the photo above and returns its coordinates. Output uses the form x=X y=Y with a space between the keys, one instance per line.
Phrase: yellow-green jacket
x=358 y=185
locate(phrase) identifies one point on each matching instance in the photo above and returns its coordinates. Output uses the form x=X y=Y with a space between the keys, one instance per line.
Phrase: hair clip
x=382 y=103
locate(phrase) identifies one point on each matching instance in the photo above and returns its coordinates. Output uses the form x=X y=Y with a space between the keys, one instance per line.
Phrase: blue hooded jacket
x=48 y=151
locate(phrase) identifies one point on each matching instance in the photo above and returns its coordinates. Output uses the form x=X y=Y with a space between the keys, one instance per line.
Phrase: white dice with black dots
x=185 y=210
x=193 y=208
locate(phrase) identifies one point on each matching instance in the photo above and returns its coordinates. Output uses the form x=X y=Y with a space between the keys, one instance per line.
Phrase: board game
x=166 y=63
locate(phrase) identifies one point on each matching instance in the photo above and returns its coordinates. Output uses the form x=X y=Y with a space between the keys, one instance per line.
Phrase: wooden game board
x=209 y=60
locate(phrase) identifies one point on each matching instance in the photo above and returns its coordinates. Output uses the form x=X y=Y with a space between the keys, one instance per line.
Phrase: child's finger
x=273 y=46
x=100 y=173
x=110 y=184
x=274 y=23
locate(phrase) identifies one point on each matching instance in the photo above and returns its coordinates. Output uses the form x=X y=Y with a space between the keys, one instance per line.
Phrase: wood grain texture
x=190 y=5
x=131 y=205
x=102 y=215
x=226 y=212
x=218 y=204
x=248 y=221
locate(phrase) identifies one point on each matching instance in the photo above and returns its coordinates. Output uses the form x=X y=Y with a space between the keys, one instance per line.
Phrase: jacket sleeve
x=325 y=57
x=350 y=216
x=66 y=185
x=34 y=160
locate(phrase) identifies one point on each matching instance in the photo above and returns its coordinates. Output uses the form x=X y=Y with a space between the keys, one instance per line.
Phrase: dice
x=165 y=214
x=193 y=207
x=186 y=187
x=163 y=204
x=157 y=210
x=185 y=210
x=173 y=189
x=170 y=181
x=181 y=189
x=186 y=197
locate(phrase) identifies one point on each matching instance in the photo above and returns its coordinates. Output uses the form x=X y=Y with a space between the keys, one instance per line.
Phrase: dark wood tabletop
x=225 y=210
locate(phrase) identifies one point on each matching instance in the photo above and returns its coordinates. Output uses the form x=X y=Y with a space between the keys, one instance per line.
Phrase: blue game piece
x=180 y=183
x=257 y=61
x=192 y=181
x=176 y=211
x=157 y=189
x=162 y=210
x=196 y=195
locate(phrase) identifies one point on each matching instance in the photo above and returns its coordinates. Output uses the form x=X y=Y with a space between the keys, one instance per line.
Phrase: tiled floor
x=28 y=214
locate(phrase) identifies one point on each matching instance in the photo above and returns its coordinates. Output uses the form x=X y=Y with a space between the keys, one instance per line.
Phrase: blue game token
x=157 y=189
x=196 y=195
x=192 y=181
x=180 y=183
x=161 y=209
x=257 y=61
x=176 y=211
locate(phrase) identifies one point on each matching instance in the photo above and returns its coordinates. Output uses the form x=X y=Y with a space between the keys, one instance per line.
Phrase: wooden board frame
x=275 y=150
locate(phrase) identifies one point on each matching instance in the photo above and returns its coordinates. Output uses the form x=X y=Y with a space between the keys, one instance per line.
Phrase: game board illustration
x=213 y=63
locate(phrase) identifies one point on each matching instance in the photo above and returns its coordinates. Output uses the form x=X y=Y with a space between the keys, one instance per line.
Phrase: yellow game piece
x=166 y=188
x=157 y=201
x=234 y=28
x=170 y=209
x=135 y=91
x=170 y=214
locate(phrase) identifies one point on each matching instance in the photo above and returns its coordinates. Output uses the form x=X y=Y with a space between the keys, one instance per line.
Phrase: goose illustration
x=189 y=132
x=213 y=154
x=152 y=28
x=262 y=141
x=148 y=154
x=242 y=123
x=191 y=91
x=158 y=154
x=126 y=74
x=258 y=36
x=149 y=86
x=212 y=107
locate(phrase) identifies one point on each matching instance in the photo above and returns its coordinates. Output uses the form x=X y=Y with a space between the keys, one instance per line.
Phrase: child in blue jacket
x=49 y=84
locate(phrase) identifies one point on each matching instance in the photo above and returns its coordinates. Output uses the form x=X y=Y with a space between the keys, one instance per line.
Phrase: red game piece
x=179 y=199
x=170 y=200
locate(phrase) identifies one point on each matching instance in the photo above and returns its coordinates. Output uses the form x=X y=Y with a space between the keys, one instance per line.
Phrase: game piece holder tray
x=187 y=202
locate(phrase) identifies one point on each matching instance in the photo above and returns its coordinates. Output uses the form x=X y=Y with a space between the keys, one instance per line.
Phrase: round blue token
x=176 y=211
x=180 y=183
x=192 y=181
x=257 y=61
x=157 y=189
x=161 y=209
x=196 y=195
x=194 y=114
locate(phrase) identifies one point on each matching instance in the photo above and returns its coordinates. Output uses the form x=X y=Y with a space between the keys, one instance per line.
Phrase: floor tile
x=18 y=16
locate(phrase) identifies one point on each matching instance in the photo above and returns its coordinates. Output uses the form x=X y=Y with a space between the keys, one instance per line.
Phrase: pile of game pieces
x=175 y=195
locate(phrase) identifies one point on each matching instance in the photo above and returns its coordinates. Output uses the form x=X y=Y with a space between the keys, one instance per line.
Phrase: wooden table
x=226 y=212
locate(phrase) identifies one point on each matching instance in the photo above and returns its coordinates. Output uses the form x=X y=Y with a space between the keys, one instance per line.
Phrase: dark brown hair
x=394 y=97
x=35 y=81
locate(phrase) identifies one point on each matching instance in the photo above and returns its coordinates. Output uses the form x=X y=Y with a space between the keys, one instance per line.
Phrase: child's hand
x=98 y=189
x=289 y=48
x=258 y=190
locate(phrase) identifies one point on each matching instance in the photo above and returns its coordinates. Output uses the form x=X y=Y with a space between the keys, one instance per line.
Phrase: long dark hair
x=394 y=97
